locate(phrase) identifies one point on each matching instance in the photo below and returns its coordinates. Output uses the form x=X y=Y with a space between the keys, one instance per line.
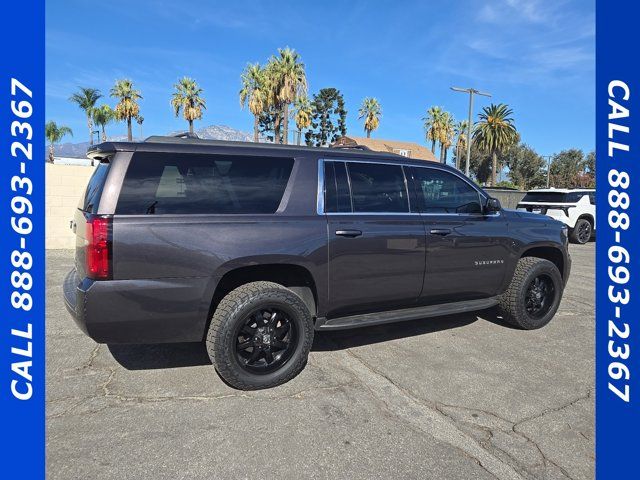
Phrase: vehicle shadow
x=156 y=356
x=178 y=355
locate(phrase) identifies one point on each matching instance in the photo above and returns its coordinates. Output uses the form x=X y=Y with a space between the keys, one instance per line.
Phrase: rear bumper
x=556 y=214
x=138 y=311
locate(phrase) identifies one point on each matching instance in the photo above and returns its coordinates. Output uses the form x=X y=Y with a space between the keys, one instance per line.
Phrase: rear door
x=376 y=245
x=467 y=251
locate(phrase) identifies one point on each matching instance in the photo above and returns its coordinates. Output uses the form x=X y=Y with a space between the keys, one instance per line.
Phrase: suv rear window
x=553 y=197
x=91 y=199
x=169 y=183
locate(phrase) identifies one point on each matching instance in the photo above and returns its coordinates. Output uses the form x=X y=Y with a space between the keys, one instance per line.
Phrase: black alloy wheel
x=584 y=232
x=540 y=296
x=265 y=340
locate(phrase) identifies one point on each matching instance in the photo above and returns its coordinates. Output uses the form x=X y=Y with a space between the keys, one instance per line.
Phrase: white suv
x=574 y=207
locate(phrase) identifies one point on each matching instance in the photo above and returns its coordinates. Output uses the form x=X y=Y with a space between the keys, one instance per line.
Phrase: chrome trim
x=320 y=194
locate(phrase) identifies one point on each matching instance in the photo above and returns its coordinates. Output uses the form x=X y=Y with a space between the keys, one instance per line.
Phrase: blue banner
x=22 y=260
x=618 y=227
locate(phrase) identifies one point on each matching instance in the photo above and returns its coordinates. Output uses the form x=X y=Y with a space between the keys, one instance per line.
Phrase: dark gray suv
x=252 y=247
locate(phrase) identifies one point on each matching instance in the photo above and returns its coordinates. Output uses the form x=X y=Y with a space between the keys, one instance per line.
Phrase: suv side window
x=377 y=188
x=336 y=188
x=443 y=192
x=592 y=198
x=174 y=183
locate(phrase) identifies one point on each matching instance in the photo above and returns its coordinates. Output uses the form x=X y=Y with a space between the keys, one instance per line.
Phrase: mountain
x=222 y=132
x=212 y=132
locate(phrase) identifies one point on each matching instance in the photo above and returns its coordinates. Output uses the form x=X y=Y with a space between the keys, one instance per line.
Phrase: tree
x=102 y=116
x=288 y=81
x=460 y=131
x=127 y=107
x=253 y=93
x=445 y=129
x=567 y=168
x=329 y=118
x=188 y=98
x=495 y=132
x=432 y=124
x=480 y=164
x=302 y=115
x=371 y=111
x=54 y=134
x=86 y=99
x=590 y=170
x=526 y=167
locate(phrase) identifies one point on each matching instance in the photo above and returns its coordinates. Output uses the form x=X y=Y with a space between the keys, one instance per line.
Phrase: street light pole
x=471 y=92
x=548 y=169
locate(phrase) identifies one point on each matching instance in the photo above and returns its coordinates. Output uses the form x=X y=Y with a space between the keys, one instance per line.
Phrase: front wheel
x=260 y=336
x=534 y=294
x=581 y=232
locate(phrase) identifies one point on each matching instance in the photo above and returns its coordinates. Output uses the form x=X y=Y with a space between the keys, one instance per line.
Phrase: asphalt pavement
x=457 y=397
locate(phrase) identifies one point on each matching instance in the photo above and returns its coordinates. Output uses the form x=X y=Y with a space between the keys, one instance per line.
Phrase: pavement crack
x=427 y=418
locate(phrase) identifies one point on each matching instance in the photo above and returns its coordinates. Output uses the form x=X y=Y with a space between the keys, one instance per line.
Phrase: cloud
x=524 y=42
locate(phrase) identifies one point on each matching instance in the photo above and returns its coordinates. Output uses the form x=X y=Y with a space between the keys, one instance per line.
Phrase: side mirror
x=492 y=205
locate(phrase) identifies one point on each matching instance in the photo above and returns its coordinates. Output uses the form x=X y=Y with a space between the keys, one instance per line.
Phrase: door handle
x=440 y=231
x=348 y=233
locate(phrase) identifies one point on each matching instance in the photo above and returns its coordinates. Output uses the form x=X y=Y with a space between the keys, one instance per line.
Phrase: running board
x=416 y=313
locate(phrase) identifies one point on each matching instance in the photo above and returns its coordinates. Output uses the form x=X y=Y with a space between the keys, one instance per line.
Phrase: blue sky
x=537 y=56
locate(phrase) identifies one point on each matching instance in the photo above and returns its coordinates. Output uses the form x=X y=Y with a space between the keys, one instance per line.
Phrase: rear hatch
x=540 y=202
x=84 y=214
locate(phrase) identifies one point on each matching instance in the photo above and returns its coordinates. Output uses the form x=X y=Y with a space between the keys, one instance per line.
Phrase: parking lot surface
x=456 y=397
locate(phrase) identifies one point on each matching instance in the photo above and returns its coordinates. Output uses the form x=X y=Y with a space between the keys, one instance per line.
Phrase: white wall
x=64 y=186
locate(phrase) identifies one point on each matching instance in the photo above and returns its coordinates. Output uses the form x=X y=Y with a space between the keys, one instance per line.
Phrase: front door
x=376 y=245
x=467 y=251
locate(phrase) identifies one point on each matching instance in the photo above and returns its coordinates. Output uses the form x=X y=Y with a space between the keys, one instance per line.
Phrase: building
x=406 y=149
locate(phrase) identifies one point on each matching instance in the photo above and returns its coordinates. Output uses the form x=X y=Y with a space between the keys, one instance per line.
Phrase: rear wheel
x=534 y=295
x=581 y=232
x=260 y=336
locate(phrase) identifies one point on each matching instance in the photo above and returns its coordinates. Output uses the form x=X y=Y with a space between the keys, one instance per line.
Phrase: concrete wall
x=64 y=186
x=508 y=198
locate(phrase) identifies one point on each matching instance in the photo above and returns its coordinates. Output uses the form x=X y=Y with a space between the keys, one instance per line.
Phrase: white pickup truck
x=574 y=207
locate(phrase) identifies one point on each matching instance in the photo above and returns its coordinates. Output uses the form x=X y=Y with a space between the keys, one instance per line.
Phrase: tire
x=273 y=309
x=517 y=304
x=582 y=231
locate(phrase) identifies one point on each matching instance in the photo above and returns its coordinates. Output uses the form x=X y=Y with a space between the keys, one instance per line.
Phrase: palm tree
x=445 y=130
x=188 y=98
x=127 y=107
x=460 y=131
x=371 y=111
x=302 y=115
x=253 y=93
x=86 y=99
x=289 y=82
x=495 y=132
x=54 y=134
x=431 y=126
x=103 y=115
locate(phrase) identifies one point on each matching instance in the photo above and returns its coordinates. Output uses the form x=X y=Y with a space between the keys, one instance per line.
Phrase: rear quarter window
x=167 y=183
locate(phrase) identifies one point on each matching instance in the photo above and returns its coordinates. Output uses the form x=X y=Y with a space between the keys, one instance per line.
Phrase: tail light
x=98 y=254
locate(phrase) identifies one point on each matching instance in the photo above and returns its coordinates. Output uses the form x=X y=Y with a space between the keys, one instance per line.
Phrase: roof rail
x=169 y=138
x=352 y=147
